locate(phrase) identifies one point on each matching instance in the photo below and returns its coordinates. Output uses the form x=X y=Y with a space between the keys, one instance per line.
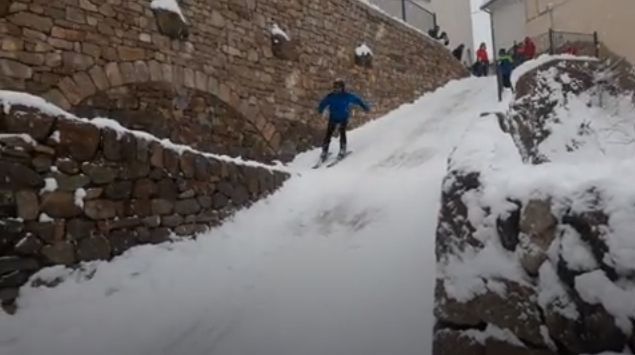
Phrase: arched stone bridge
x=215 y=81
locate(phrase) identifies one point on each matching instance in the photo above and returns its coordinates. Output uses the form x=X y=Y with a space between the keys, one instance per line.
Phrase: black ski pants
x=329 y=134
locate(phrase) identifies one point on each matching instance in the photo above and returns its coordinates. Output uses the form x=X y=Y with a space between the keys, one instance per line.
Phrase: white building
x=453 y=16
x=508 y=19
x=572 y=22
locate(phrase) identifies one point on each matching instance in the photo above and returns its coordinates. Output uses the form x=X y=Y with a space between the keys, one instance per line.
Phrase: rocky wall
x=74 y=191
x=534 y=249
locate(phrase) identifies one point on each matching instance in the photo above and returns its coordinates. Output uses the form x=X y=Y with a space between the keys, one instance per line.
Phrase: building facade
x=611 y=19
x=453 y=16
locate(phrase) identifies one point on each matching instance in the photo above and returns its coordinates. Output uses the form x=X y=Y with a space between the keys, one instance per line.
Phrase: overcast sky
x=482 y=31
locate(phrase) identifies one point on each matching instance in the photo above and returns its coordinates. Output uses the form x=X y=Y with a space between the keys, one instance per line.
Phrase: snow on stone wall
x=535 y=232
x=74 y=190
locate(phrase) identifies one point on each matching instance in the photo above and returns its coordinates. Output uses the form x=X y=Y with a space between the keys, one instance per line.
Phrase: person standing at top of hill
x=434 y=32
x=482 y=61
x=529 y=49
x=505 y=68
x=458 y=52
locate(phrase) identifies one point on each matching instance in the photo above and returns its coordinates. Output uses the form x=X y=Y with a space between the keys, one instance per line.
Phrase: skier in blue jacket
x=339 y=103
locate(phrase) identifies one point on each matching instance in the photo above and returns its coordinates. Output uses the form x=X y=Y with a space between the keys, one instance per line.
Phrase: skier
x=339 y=103
x=505 y=67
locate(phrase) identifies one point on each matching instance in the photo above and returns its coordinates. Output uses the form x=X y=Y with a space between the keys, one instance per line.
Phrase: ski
x=339 y=159
x=321 y=161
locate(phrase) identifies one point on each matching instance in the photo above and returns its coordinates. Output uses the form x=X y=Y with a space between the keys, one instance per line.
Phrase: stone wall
x=530 y=244
x=81 y=54
x=73 y=191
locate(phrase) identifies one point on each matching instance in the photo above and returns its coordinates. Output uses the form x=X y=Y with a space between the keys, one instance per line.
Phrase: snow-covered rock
x=542 y=199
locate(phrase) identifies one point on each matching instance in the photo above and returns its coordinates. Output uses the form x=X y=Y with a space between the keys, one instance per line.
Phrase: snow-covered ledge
x=75 y=190
x=170 y=18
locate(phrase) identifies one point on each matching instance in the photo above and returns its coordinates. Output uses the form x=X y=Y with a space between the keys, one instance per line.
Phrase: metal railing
x=560 y=42
x=410 y=12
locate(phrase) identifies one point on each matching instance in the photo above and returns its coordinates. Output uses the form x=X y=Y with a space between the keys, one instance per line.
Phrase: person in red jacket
x=482 y=61
x=529 y=49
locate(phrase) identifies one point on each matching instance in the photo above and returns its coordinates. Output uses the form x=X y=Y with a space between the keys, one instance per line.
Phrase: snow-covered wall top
x=87 y=54
x=74 y=190
x=538 y=257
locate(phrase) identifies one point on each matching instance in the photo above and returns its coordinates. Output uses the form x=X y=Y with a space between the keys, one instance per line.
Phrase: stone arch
x=71 y=90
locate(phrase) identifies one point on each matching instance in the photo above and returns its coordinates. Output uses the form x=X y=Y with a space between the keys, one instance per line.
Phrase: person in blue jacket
x=505 y=67
x=339 y=103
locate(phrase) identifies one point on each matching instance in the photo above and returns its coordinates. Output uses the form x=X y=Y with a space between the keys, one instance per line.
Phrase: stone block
x=118 y=190
x=78 y=139
x=31 y=20
x=93 y=248
x=98 y=173
x=67 y=166
x=28 y=121
x=102 y=209
x=113 y=73
x=172 y=221
x=98 y=75
x=145 y=189
x=77 y=229
x=14 y=69
x=122 y=240
x=27 y=204
x=59 y=253
x=187 y=207
x=30 y=245
x=85 y=84
x=130 y=54
x=60 y=204
x=162 y=207
x=70 y=183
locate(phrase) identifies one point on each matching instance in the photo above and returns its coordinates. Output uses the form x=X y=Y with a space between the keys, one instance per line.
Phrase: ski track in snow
x=340 y=261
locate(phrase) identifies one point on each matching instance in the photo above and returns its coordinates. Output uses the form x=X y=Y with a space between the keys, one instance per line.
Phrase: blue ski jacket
x=339 y=105
x=506 y=65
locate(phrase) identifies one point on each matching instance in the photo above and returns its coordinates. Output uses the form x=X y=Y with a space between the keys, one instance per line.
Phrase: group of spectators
x=508 y=59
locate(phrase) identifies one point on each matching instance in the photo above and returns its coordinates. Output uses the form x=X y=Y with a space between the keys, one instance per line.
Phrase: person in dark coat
x=458 y=52
x=517 y=54
x=434 y=32
x=505 y=68
x=339 y=103
x=444 y=39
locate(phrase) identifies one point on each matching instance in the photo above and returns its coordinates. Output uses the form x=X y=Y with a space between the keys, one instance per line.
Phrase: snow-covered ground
x=340 y=261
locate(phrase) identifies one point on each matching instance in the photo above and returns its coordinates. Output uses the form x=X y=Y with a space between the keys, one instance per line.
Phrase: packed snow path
x=338 y=262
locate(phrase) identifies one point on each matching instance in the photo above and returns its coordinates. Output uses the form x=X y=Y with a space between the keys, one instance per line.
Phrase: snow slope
x=340 y=261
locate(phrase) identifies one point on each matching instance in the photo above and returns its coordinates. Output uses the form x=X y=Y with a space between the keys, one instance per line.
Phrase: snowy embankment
x=339 y=261
x=537 y=237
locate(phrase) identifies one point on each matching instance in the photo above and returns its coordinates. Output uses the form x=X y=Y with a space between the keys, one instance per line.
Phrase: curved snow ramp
x=74 y=190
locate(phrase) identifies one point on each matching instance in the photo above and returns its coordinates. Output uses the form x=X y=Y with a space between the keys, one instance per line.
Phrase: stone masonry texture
x=77 y=192
x=223 y=84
